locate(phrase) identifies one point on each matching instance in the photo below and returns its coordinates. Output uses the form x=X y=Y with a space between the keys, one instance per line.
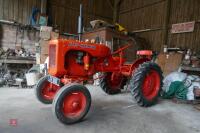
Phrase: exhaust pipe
x=80 y=23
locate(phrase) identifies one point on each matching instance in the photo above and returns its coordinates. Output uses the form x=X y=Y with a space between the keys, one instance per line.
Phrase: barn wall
x=134 y=15
x=64 y=13
x=15 y=35
x=18 y=10
x=158 y=16
x=184 y=11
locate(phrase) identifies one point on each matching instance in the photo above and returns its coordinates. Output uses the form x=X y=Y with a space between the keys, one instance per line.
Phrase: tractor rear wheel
x=71 y=103
x=146 y=83
x=45 y=90
x=112 y=83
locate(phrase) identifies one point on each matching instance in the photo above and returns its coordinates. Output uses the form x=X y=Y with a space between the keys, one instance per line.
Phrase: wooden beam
x=144 y=6
x=110 y=4
x=77 y=10
x=116 y=10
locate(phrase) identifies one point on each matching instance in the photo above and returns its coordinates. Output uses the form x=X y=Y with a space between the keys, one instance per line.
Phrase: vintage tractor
x=72 y=63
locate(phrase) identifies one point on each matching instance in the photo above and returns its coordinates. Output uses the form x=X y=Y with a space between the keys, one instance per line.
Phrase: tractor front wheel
x=45 y=90
x=112 y=83
x=146 y=83
x=71 y=103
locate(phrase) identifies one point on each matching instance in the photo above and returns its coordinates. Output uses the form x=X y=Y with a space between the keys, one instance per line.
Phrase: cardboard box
x=44 y=47
x=45 y=32
x=169 y=62
x=42 y=52
x=43 y=58
x=54 y=35
x=40 y=58
x=37 y=55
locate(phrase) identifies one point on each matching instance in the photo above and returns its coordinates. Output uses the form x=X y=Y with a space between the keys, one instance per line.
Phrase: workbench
x=15 y=67
x=190 y=70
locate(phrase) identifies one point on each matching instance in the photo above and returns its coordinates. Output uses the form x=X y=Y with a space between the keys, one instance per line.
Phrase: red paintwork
x=67 y=63
x=151 y=85
x=86 y=61
x=49 y=90
x=145 y=52
x=70 y=65
x=62 y=49
x=75 y=61
x=74 y=104
x=114 y=80
x=97 y=58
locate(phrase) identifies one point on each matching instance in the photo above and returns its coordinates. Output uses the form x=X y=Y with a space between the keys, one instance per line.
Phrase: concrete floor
x=109 y=114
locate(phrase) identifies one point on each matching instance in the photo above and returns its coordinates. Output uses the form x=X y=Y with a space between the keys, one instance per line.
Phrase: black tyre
x=71 y=103
x=112 y=87
x=146 y=84
x=45 y=91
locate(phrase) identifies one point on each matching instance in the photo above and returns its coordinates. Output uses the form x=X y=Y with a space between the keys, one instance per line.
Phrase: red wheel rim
x=114 y=80
x=49 y=90
x=151 y=85
x=74 y=104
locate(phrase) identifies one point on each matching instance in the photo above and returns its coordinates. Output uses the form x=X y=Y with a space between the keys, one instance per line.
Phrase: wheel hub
x=151 y=85
x=49 y=90
x=74 y=104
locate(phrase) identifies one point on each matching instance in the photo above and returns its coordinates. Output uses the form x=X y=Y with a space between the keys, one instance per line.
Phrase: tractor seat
x=144 y=52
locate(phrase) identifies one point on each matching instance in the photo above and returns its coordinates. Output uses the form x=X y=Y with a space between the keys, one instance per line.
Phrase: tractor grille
x=52 y=55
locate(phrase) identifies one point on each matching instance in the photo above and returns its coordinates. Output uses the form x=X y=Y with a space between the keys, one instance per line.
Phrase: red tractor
x=72 y=63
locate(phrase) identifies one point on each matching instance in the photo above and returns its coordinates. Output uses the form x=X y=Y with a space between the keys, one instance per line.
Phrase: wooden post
x=167 y=18
x=43 y=6
x=116 y=11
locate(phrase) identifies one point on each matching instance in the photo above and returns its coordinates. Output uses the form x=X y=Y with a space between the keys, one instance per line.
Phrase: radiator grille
x=52 y=55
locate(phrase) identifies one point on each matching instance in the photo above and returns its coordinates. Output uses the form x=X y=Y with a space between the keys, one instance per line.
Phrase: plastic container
x=32 y=78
